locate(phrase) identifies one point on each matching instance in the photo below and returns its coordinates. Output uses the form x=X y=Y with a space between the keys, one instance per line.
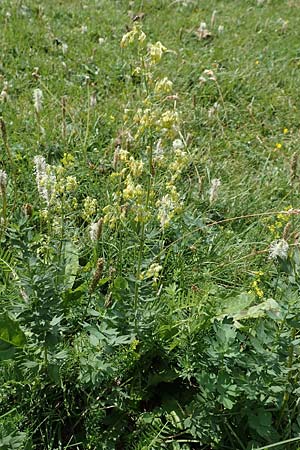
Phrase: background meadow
x=149 y=195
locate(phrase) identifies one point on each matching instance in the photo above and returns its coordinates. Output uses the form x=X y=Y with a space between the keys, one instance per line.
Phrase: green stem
x=87 y=125
x=142 y=243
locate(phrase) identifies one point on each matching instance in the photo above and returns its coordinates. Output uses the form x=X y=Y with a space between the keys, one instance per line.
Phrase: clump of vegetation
x=149 y=257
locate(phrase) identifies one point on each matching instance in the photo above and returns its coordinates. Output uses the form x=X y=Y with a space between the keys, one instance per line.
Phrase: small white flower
x=101 y=41
x=279 y=249
x=64 y=48
x=220 y=29
x=202 y=26
x=178 y=144
x=84 y=29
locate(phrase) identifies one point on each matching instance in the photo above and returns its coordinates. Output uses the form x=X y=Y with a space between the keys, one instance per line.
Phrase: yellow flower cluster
x=276 y=228
x=134 y=35
x=150 y=155
x=89 y=208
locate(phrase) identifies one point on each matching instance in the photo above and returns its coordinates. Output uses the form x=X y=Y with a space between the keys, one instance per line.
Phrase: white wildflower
x=84 y=29
x=213 y=191
x=4 y=97
x=178 y=144
x=101 y=40
x=38 y=100
x=45 y=179
x=64 y=48
x=202 y=26
x=93 y=100
x=279 y=249
x=166 y=208
x=220 y=29
x=95 y=230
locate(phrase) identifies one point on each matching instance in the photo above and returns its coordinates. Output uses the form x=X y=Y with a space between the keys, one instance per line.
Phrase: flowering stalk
x=38 y=105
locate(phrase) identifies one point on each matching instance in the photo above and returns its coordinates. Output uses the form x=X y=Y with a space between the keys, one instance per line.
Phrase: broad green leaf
x=236 y=304
x=11 y=337
x=260 y=310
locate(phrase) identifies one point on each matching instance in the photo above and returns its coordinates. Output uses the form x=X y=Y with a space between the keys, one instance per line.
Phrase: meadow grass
x=149 y=224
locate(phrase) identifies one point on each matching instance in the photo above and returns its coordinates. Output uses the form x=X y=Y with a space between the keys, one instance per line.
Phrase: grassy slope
x=257 y=63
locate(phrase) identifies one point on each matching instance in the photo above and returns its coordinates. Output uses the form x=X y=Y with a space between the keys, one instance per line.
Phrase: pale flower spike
x=214 y=188
x=45 y=179
x=279 y=249
x=38 y=100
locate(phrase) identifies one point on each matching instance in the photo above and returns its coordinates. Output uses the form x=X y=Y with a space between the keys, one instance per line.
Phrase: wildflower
x=4 y=97
x=68 y=160
x=93 y=100
x=95 y=230
x=164 y=85
x=45 y=179
x=258 y=291
x=136 y=166
x=101 y=41
x=131 y=190
x=153 y=272
x=279 y=249
x=38 y=100
x=3 y=182
x=71 y=183
x=166 y=208
x=278 y=145
x=177 y=144
x=156 y=51
x=285 y=131
x=213 y=191
x=128 y=38
x=168 y=119
x=220 y=29
x=89 y=207
x=83 y=29
x=64 y=48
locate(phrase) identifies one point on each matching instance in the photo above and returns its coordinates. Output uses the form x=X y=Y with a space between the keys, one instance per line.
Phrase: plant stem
x=142 y=241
